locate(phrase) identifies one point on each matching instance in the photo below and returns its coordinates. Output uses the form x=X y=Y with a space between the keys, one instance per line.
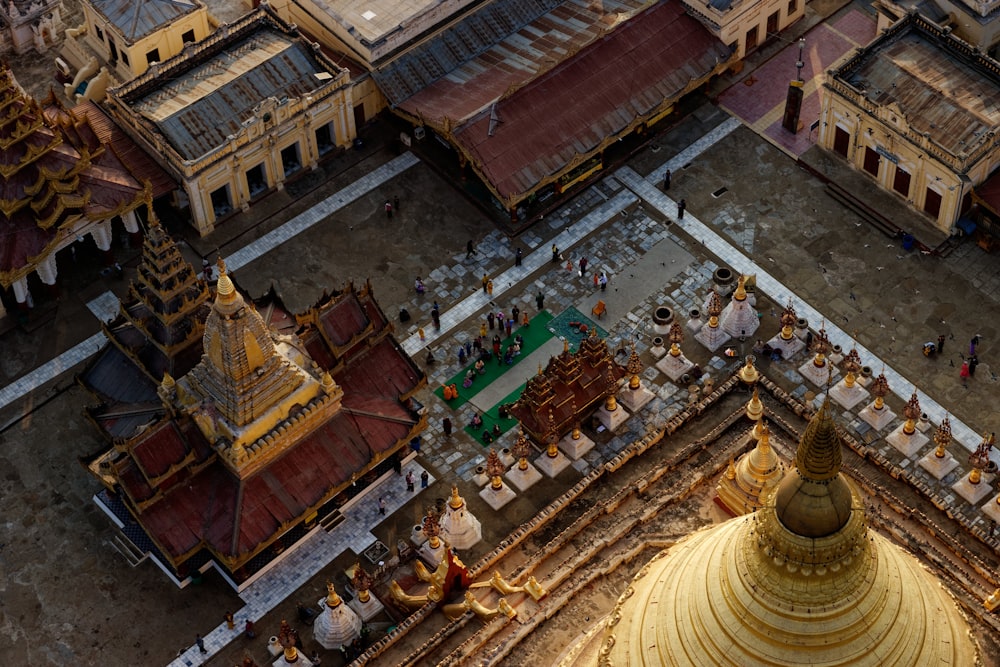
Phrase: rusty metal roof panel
x=136 y=19
x=197 y=111
x=935 y=90
x=597 y=94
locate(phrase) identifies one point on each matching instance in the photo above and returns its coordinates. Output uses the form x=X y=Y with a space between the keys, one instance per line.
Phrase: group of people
x=968 y=363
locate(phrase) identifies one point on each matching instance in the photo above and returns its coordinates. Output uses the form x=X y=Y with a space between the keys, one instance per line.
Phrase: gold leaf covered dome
x=800 y=582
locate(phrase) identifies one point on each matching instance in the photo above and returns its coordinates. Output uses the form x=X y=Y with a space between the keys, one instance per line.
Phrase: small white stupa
x=712 y=335
x=459 y=527
x=337 y=624
x=739 y=319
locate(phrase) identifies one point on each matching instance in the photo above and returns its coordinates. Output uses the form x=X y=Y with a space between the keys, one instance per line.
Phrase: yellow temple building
x=802 y=581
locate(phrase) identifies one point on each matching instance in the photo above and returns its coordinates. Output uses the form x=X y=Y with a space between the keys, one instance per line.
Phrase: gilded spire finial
x=912 y=413
x=676 y=337
x=332 y=599
x=749 y=373
x=818 y=456
x=741 y=293
x=494 y=468
x=552 y=451
x=521 y=449
x=456 y=501
x=755 y=408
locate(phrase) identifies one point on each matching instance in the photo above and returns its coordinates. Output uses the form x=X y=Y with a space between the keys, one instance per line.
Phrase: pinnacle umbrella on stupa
x=785 y=341
x=362 y=582
x=494 y=469
x=939 y=462
x=907 y=439
x=521 y=449
x=675 y=337
x=852 y=364
x=821 y=346
x=337 y=624
x=788 y=320
x=634 y=368
x=912 y=413
x=980 y=459
x=459 y=527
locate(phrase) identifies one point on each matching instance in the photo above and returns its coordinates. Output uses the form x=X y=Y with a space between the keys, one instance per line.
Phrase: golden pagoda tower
x=634 y=368
x=337 y=624
x=676 y=337
x=802 y=581
x=755 y=410
x=247 y=394
x=754 y=475
x=877 y=414
x=912 y=413
x=674 y=364
x=738 y=318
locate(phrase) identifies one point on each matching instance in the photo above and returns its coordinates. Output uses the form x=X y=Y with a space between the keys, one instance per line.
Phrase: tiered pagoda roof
x=56 y=175
x=158 y=330
x=571 y=385
x=240 y=459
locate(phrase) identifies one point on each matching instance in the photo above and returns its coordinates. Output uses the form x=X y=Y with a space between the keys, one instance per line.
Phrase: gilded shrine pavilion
x=572 y=385
x=242 y=452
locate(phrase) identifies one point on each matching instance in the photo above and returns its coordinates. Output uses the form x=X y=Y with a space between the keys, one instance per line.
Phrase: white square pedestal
x=711 y=338
x=634 y=399
x=523 y=479
x=789 y=348
x=552 y=465
x=303 y=661
x=497 y=498
x=877 y=419
x=973 y=493
x=612 y=420
x=818 y=375
x=657 y=351
x=938 y=467
x=674 y=367
x=432 y=557
x=695 y=325
x=367 y=610
x=992 y=509
x=575 y=448
x=907 y=445
x=846 y=396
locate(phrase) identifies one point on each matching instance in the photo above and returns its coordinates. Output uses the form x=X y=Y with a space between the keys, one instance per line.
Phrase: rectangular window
x=841 y=141
x=153 y=56
x=290 y=160
x=793 y=6
x=256 y=180
x=901 y=182
x=325 y=139
x=932 y=203
x=772 y=24
x=99 y=33
x=221 y=203
x=125 y=58
x=188 y=36
x=751 y=39
x=871 y=161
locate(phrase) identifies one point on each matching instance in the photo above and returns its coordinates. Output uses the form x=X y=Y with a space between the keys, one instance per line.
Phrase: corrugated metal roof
x=570 y=110
x=138 y=18
x=936 y=91
x=198 y=110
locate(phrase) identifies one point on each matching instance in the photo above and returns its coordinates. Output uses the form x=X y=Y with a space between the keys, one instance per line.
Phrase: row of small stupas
x=232 y=430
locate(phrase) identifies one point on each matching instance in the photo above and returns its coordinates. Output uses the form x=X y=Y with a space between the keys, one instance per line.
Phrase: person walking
x=395 y=203
x=540 y=301
x=489 y=287
x=248 y=630
x=381 y=505
x=973 y=362
x=200 y=643
x=409 y=480
x=486 y=280
x=604 y=281
x=482 y=329
x=666 y=180
x=596 y=280
x=973 y=344
x=510 y=327
x=424 y=479
x=230 y=621
x=515 y=311
x=681 y=205
x=964 y=374
x=388 y=209
x=470 y=249
x=491 y=319
x=583 y=266
x=940 y=345
x=446 y=426
x=555 y=254
x=517 y=257
x=436 y=315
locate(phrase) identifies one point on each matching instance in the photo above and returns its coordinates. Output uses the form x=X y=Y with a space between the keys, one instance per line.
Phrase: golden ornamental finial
x=741 y=292
x=456 y=501
x=332 y=599
x=749 y=373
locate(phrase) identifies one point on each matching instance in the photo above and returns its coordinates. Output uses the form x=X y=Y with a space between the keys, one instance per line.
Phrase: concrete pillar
x=21 y=294
x=49 y=274
x=199 y=213
x=131 y=222
x=101 y=232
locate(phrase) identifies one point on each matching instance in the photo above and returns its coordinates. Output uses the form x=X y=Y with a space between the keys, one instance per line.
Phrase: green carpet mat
x=492 y=416
x=534 y=336
x=567 y=326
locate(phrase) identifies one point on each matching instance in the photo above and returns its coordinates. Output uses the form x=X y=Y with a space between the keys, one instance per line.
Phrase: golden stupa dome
x=801 y=581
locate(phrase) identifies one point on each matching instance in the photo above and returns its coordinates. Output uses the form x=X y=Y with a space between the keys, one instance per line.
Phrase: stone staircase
x=123 y=545
x=332 y=520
